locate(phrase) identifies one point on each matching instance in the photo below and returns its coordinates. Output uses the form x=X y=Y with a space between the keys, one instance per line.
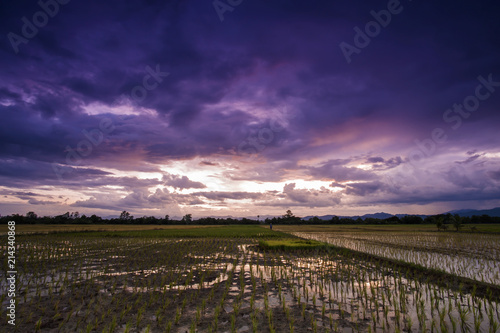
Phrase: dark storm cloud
x=138 y=199
x=92 y=71
x=375 y=160
x=495 y=175
x=476 y=178
x=28 y=196
x=424 y=196
x=208 y=163
x=18 y=193
x=41 y=202
x=269 y=172
x=295 y=197
x=470 y=159
x=455 y=183
x=6 y=94
x=336 y=170
x=380 y=163
x=26 y=174
x=363 y=189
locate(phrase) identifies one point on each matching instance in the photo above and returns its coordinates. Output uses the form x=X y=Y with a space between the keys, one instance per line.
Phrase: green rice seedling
x=38 y=325
x=314 y=324
x=178 y=314
x=270 y=322
x=198 y=314
x=409 y=324
x=494 y=326
x=477 y=324
x=254 y=323
x=233 y=323
x=192 y=328
x=217 y=310
x=140 y=315
x=252 y=301
x=128 y=327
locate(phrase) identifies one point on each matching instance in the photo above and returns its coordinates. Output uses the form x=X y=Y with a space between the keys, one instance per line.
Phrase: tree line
x=442 y=221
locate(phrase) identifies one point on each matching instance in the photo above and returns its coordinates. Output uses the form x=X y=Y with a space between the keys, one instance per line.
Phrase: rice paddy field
x=475 y=256
x=252 y=279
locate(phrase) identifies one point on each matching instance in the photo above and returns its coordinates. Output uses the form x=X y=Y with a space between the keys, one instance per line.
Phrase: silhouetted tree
x=456 y=221
x=392 y=220
x=315 y=220
x=439 y=222
x=288 y=214
x=31 y=215
x=187 y=218
x=288 y=218
x=125 y=216
x=411 y=219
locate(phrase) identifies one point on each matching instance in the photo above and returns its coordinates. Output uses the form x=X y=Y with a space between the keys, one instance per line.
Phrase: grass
x=291 y=244
x=50 y=228
x=231 y=231
x=481 y=228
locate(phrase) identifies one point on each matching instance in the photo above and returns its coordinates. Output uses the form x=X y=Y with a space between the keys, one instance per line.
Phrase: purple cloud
x=181 y=182
x=245 y=114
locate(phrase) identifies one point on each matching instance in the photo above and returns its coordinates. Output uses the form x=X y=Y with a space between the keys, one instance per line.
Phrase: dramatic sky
x=249 y=107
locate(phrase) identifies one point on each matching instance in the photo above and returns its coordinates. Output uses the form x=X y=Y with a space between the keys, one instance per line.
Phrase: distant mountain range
x=471 y=212
x=382 y=215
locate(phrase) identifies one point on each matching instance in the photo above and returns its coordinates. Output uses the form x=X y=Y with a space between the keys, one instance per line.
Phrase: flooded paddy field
x=52 y=228
x=474 y=256
x=222 y=281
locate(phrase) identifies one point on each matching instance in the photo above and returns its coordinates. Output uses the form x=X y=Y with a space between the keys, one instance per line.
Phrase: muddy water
x=383 y=301
x=458 y=258
x=339 y=294
x=370 y=300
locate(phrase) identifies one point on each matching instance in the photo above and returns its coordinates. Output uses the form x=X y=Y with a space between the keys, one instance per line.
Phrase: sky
x=249 y=107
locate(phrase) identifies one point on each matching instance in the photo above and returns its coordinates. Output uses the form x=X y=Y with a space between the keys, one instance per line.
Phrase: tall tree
x=126 y=216
x=457 y=222
x=31 y=215
x=288 y=214
x=187 y=218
